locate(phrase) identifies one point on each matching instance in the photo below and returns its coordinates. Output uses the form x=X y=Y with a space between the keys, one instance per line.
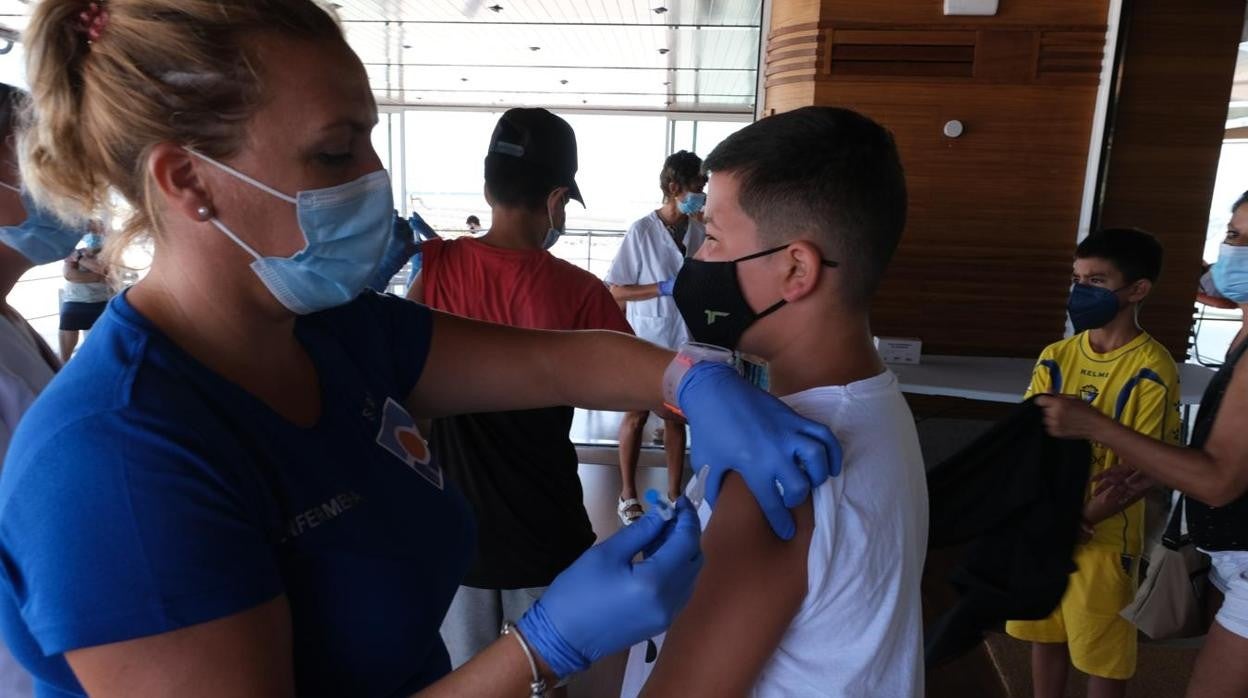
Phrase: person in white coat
x=641 y=280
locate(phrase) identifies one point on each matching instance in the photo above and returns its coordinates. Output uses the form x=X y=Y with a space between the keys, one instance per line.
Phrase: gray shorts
x=476 y=616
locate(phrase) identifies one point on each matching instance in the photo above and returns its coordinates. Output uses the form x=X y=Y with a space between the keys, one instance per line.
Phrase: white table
x=998 y=379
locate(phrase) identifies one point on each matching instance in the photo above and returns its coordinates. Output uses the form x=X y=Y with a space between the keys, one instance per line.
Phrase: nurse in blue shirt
x=226 y=492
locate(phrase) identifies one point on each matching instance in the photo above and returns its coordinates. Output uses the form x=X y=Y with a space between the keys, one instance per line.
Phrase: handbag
x=1170 y=603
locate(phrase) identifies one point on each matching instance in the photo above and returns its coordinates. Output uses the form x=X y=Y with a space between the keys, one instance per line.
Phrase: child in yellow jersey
x=1119 y=369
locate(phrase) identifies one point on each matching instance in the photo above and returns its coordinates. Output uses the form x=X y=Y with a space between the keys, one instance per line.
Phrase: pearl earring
x=204 y=213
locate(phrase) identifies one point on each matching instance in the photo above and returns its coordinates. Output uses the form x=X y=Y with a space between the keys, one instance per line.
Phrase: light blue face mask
x=346 y=229
x=41 y=238
x=1230 y=274
x=693 y=203
x=553 y=235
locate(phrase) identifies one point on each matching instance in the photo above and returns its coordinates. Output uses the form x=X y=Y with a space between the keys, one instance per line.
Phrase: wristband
x=688 y=355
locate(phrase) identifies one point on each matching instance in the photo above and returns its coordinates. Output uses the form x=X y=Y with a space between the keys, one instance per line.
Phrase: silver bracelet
x=537 y=688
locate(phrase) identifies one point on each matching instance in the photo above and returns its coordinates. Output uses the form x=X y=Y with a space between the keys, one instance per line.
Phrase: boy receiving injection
x=804 y=212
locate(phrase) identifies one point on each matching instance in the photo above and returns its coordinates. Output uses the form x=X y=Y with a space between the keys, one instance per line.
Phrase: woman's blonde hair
x=151 y=72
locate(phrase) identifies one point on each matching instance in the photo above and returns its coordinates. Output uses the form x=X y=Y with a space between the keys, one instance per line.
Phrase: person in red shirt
x=517 y=469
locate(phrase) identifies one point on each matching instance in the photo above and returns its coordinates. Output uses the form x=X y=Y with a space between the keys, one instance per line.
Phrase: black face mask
x=708 y=296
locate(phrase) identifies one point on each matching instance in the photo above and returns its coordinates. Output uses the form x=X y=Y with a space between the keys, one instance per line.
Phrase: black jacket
x=1014 y=497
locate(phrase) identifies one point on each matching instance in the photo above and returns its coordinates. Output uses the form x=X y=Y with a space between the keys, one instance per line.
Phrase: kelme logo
x=713 y=315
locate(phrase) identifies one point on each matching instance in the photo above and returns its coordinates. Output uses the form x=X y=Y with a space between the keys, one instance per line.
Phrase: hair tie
x=92 y=21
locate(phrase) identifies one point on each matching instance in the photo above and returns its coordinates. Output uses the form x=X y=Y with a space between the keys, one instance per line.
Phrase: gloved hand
x=605 y=602
x=422 y=229
x=735 y=426
x=665 y=287
x=401 y=229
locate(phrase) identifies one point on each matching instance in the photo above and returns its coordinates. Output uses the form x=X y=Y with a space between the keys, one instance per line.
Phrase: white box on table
x=899 y=350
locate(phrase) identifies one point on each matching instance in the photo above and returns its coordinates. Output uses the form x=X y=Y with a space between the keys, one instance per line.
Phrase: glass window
x=436 y=160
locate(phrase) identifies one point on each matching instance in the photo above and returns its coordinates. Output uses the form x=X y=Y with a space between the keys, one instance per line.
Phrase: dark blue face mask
x=1091 y=307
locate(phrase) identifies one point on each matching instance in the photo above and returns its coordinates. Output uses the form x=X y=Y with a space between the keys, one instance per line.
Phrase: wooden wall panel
x=1010 y=13
x=993 y=214
x=984 y=265
x=1167 y=138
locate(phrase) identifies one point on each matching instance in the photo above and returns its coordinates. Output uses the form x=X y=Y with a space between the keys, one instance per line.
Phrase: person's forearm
x=82 y=277
x=643 y=292
x=93 y=265
x=1101 y=508
x=608 y=371
x=480 y=367
x=500 y=671
x=1189 y=470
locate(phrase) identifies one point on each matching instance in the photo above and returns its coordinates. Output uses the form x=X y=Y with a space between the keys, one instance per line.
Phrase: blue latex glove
x=605 y=602
x=665 y=287
x=399 y=248
x=423 y=230
x=737 y=427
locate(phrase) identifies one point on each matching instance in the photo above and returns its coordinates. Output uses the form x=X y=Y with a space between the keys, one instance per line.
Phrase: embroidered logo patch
x=399 y=436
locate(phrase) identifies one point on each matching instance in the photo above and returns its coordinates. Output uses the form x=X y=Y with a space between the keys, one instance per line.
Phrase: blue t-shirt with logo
x=144 y=493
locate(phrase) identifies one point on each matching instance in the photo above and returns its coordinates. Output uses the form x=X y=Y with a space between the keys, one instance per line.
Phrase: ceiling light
x=463 y=79
x=407 y=45
x=660 y=10
x=663 y=51
x=563 y=82
x=535 y=48
x=495 y=8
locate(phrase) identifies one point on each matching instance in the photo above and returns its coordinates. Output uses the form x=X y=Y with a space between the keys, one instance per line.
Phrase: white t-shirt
x=648 y=255
x=859 y=631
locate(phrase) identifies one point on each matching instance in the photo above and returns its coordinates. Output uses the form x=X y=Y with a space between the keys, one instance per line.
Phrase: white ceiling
x=697 y=56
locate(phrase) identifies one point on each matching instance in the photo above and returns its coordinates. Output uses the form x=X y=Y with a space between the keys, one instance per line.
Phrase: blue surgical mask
x=346 y=229
x=41 y=238
x=1230 y=274
x=1091 y=307
x=692 y=204
x=552 y=235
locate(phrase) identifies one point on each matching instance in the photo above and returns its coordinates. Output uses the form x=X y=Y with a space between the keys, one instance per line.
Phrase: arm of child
x=1157 y=416
x=750 y=587
x=416 y=292
x=1041 y=376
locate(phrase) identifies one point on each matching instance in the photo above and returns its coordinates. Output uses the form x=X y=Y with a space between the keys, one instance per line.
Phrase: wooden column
x=984 y=266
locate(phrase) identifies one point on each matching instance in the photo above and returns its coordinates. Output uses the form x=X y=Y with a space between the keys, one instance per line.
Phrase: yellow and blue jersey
x=1138 y=386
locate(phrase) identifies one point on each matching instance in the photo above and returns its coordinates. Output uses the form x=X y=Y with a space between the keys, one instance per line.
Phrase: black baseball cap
x=540 y=139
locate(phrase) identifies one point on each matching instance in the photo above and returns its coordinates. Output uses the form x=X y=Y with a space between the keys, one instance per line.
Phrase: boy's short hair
x=683 y=169
x=1136 y=253
x=1243 y=199
x=514 y=183
x=473 y=220
x=828 y=175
